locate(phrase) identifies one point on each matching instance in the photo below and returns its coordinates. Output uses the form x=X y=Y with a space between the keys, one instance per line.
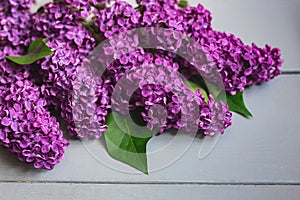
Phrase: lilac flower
x=120 y=17
x=15 y=27
x=90 y=104
x=27 y=128
x=61 y=23
x=221 y=49
x=71 y=43
x=162 y=13
x=240 y=65
x=156 y=82
x=20 y=4
x=266 y=64
x=85 y=6
x=77 y=35
x=150 y=94
x=197 y=20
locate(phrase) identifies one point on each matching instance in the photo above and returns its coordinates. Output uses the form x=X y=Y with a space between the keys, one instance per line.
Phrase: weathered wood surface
x=56 y=191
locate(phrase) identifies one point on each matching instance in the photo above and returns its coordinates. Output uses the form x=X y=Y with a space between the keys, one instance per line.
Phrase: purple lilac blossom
x=85 y=6
x=27 y=129
x=157 y=83
x=15 y=27
x=196 y=22
x=120 y=17
x=71 y=43
x=90 y=104
x=167 y=13
x=124 y=48
x=16 y=4
x=239 y=65
x=152 y=87
x=227 y=51
x=160 y=12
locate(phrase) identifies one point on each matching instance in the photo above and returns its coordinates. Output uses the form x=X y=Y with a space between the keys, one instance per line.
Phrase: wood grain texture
x=158 y=192
x=264 y=149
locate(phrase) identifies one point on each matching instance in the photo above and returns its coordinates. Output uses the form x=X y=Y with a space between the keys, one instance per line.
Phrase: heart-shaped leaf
x=122 y=143
x=38 y=49
x=236 y=104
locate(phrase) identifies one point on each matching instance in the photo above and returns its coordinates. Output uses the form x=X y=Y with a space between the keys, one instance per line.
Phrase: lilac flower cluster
x=120 y=17
x=161 y=12
x=17 y=4
x=158 y=83
x=27 y=128
x=167 y=13
x=225 y=50
x=240 y=65
x=85 y=6
x=90 y=104
x=71 y=43
x=185 y=43
x=15 y=27
x=266 y=63
x=149 y=80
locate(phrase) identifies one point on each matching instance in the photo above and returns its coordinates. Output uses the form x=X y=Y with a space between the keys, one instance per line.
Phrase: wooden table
x=256 y=158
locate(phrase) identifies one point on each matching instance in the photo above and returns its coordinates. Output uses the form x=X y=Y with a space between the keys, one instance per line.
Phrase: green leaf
x=123 y=145
x=193 y=86
x=214 y=90
x=183 y=3
x=38 y=49
x=236 y=104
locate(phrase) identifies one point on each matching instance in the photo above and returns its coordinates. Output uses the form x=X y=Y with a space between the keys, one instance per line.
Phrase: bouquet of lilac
x=49 y=61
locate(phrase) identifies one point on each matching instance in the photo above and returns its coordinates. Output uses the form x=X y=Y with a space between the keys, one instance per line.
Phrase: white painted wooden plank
x=261 y=21
x=263 y=149
x=27 y=191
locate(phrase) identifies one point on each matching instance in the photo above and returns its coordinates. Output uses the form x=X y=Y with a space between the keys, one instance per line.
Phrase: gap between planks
x=155 y=183
x=290 y=73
